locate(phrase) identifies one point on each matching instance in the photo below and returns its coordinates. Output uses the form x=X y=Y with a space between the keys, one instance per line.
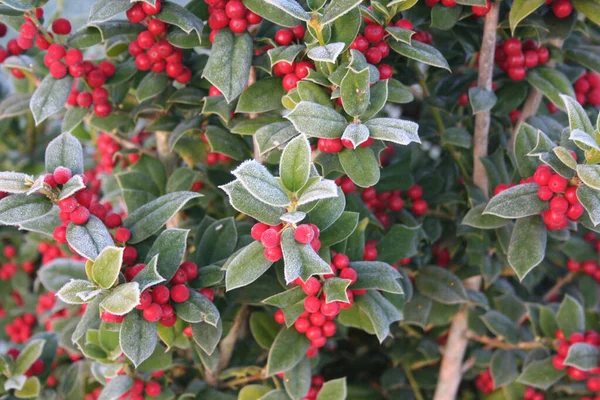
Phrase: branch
x=451 y=366
x=493 y=342
x=128 y=144
x=554 y=290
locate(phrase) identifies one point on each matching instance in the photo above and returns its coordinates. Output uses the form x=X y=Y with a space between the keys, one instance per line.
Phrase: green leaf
x=31 y=352
x=337 y=8
x=525 y=142
x=222 y=141
x=73 y=118
x=376 y=275
x=77 y=291
x=334 y=389
x=583 y=140
x=50 y=97
x=445 y=18
x=587 y=56
x=476 y=219
x=261 y=184
x=327 y=211
x=503 y=367
x=149 y=275
x=400 y=34
x=501 y=326
x=198 y=309
x=15 y=105
x=137 y=337
x=274 y=135
x=356 y=133
x=246 y=266
x=341 y=229
x=74 y=185
x=540 y=374
x=287 y=351
x=590 y=9
x=151 y=85
x=355 y=91
x=116 y=387
x=243 y=201
x=335 y=289
x=527 y=246
x=181 y=17
x=400 y=242
x=583 y=356
x=290 y=7
x=264 y=329
x=30 y=389
x=106 y=267
x=59 y=272
x=103 y=10
x=481 y=99
x=570 y=316
x=20 y=208
x=361 y=165
x=516 y=202
x=148 y=219
x=64 y=151
x=285 y=53
x=316 y=120
x=328 y=53
x=253 y=391
x=15 y=182
x=173 y=336
x=520 y=10
x=578 y=118
x=122 y=299
x=297 y=380
x=441 y=285
x=294 y=167
x=590 y=175
x=262 y=96
x=552 y=83
x=589 y=198
x=170 y=246
x=89 y=239
x=317 y=190
x=420 y=52
x=380 y=312
x=300 y=260
x=229 y=63
x=218 y=242
x=190 y=125
x=207 y=336
x=393 y=130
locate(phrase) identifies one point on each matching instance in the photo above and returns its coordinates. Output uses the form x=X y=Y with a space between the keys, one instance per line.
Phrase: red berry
x=253 y=18
x=62 y=175
x=373 y=55
x=290 y=81
x=302 y=69
x=58 y=70
x=559 y=204
x=542 y=175
x=180 y=293
x=374 y=33
x=512 y=46
x=575 y=211
x=28 y=30
x=516 y=73
x=273 y=254
x=153 y=313
x=312 y=304
x=562 y=8
x=122 y=234
x=576 y=337
x=152 y=10
x=557 y=183
x=235 y=9
x=304 y=234
x=302 y=324
x=136 y=13
x=415 y=192
x=238 y=25
x=330 y=145
x=349 y=273
x=543 y=55
x=404 y=24
x=153 y=389
x=284 y=37
x=270 y=238
x=61 y=26
x=312 y=286
x=145 y=39
x=102 y=110
x=544 y=193
x=385 y=71
x=160 y=294
x=145 y=300
x=419 y=207
x=80 y=215
x=340 y=261
x=279 y=317
x=360 y=43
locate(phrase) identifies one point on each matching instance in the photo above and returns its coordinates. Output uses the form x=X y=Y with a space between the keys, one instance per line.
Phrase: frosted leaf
x=103 y=10
x=244 y=202
x=149 y=276
x=64 y=151
x=70 y=292
x=356 y=133
x=300 y=260
x=290 y=7
x=137 y=337
x=337 y=8
x=328 y=53
x=122 y=299
x=246 y=266
x=196 y=309
x=261 y=184
x=20 y=208
x=323 y=189
x=89 y=239
x=316 y=120
x=15 y=182
x=274 y=135
x=394 y=130
x=50 y=97
x=293 y=217
x=74 y=185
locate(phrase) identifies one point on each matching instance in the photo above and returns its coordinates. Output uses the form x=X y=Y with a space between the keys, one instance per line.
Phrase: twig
x=128 y=144
x=413 y=383
x=450 y=368
x=493 y=342
x=554 y=290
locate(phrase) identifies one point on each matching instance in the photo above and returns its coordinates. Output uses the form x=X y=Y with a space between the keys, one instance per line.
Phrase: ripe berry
x=544 y=193
x=238 y=25
x=145 y=300
x=360 y=43
x=180 y=293
x=349 y=273
x=153 y=389
x=136 y=13
x=415 y=192
x=190 y=269
x=302 y=69
x=404 y=24
x=312 y=286
x=154 y=312
x=273 y=254
x=562 y=8
x=301 y=324
x=80 y=215
x=290 y=81
x=557 y=183
x=575 y=211
x=235 y=9
x=270 y=238
x=516 y=73
x=512 y=46
x=385 y=71
x=373 y=55
x=543 y=55
x=481 y=11
x=160 y=294
x=329 y=329
x=253 y=18
x=284 y=37
x=542 y=175
x=157 y=27
x=62 y=175
x=145 y=39
x=28 y=30
x=559 y=204
x=573 y=265
x=374 y=33
x=304 y=234
x=61 y=26
x=279 y=317
x=419 y=207
x=317 y=319
x=330 y=145
x=576 y=337
x=314 y=332
x=60 y=234
x=58 y=70
x=152 y=10
x=312 y=304
x=102 y=110
x=331 y=309
x=122 y=234
x=340 y=261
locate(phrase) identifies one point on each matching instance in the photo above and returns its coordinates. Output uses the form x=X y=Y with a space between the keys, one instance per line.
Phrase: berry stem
x=413 y=383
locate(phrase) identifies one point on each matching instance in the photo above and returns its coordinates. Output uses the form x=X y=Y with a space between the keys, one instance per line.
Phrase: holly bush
x=300 y=200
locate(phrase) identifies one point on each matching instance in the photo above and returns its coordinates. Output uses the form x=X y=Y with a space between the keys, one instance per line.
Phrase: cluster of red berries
x=151 y=50
x=213 y=157
x=379 y=203
x=478 y=11
x=20 y=329
x=560 y=8
x=564 y=204
x=151 y=389
x=8 y=268
x=36 y=368
x=515 y=58
x=292 y=72
x=51 y=252
x=589 y=267
x=270 y=237
x=316 y=383
x=372 y=43
x=232 y=14
x=317 y=320
x=592 y=377
x=463 y=99
x=587 y=89
x=336 y=145
x=484 y=382
x=532 y=394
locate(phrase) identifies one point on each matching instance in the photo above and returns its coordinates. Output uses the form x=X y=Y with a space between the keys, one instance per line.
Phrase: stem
x=413 y=383
x=493 y=342
x=128 y=144
x=319 y=29
x=451 y=366
x=554 y=290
